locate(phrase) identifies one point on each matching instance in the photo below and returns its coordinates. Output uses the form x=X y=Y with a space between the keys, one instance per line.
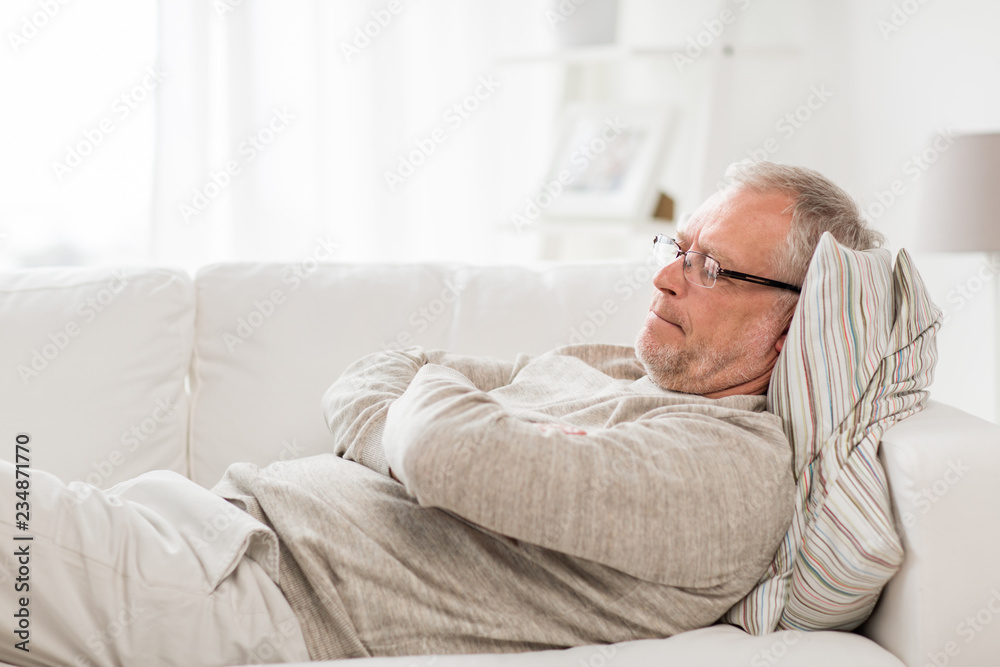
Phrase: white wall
x=938 y=69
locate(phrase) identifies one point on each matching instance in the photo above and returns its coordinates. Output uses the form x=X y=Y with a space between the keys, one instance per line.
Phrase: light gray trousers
x=154 y=571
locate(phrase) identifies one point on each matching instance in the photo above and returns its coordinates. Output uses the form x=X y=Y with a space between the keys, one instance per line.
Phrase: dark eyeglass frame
x=725 y=273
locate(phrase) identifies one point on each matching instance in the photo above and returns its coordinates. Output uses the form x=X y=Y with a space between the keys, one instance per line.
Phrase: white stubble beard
x=702 y=371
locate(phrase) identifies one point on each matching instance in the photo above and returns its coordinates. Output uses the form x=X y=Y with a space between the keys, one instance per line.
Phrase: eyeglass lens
x=698 y=268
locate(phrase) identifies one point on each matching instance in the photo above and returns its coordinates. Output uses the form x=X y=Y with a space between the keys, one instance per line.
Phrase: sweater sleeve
x=355 y=405
x=677 y=497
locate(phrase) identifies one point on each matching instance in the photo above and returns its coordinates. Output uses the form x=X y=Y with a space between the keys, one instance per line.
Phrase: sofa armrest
x=943 y=606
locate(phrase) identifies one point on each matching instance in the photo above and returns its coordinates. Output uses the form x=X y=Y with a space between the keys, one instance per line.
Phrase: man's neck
x=752 y=387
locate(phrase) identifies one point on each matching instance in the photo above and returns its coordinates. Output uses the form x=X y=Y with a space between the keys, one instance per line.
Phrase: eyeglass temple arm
x=758 y=280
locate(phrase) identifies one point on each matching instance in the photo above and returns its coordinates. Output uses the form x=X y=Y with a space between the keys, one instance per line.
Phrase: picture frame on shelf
x=581 y=24
x=607 y=161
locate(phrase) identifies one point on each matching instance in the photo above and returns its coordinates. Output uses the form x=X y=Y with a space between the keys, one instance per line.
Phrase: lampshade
x=960 y=205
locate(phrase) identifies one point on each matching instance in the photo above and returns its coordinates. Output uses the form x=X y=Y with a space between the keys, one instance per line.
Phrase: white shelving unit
x=645 y=65
x=568 y=238
x=604 y=53
x=586 y=239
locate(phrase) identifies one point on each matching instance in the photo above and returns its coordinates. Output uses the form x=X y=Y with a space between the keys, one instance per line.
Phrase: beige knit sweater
x=507 y=535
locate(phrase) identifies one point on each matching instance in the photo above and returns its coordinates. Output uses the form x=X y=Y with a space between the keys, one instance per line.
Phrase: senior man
x=592 y=494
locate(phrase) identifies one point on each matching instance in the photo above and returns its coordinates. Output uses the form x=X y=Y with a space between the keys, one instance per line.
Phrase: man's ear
x=780 y=343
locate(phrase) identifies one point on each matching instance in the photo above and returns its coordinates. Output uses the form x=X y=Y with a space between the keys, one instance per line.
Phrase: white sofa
x=114 y=372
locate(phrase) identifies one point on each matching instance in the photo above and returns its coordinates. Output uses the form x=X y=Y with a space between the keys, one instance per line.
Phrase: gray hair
x=820 y=206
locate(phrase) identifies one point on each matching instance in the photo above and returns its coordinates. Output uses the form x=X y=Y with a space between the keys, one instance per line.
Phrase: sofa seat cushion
x=708 y=647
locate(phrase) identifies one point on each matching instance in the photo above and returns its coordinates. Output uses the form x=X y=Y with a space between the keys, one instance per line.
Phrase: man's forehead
x=692 y=231
x=731 y=223
x=704 y=246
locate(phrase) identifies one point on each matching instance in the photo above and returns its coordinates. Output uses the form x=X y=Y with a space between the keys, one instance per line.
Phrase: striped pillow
x=859 y=354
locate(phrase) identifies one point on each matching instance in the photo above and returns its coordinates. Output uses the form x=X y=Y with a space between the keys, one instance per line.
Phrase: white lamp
x=960 y=208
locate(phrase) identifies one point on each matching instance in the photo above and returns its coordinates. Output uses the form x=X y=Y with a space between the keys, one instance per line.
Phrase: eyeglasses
x=701 y=269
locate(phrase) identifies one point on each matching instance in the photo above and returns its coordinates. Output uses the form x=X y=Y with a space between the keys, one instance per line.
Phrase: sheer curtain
x=383 y=131
x=79 y=84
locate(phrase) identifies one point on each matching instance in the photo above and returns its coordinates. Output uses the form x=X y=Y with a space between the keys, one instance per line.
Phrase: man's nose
x=670 y=278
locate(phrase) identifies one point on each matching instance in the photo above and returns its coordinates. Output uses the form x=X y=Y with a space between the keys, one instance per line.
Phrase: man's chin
x=670 y=382
x=661 y=364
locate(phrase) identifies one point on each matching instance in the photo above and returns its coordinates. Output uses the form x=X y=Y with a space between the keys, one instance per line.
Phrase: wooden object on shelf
x=664 y=208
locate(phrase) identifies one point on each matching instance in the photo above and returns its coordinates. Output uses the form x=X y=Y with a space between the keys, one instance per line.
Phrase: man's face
x=724 y=340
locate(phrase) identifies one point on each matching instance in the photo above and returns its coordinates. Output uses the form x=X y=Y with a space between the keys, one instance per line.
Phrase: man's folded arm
x=684 y=499
x=355 y=405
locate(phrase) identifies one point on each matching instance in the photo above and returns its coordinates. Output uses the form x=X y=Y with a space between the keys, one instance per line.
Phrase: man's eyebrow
x=715 y=253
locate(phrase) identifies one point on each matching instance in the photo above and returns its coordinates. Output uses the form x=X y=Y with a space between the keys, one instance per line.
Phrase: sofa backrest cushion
x=271 y=338
x=859 y=356
x=94 y=363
